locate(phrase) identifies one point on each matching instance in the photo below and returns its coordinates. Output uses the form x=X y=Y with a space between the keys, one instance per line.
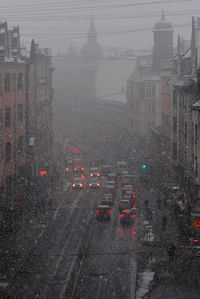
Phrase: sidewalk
x=22 y=242
x=178 y=280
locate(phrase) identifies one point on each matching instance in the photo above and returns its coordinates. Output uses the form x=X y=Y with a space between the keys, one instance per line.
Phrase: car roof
x=103 y=207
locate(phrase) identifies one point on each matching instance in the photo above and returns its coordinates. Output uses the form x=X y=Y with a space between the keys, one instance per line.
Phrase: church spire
x=92 y=34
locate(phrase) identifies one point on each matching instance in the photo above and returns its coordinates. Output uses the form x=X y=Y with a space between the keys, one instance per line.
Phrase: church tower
x=90 y=55
x=92 y=50
x=163 y=43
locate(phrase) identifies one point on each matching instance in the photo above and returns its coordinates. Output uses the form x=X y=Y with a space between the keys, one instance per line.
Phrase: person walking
x=164 y=222
x=171 y=254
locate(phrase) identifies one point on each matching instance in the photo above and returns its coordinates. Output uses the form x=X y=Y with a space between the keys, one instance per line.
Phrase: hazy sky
x=120 y=23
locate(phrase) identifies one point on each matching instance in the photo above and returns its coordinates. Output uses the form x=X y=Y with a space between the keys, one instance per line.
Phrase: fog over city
x=126 y=23
x=100 y=149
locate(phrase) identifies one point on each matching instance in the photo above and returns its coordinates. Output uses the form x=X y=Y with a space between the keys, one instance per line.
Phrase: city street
x=53 y=266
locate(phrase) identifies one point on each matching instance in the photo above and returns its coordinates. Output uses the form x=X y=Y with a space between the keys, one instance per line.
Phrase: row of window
x=7 y=113
x=7 y=82
x=8 y=151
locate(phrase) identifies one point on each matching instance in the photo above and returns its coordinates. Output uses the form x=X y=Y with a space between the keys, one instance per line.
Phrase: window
x=1 y=119
x=20 y=144
x=0 y=86
x=20 y=113
x=174 y=151
x=196 y=134
x=174 y=125
x=20 y=82
x=0 y=152
x=7 y=83
x=7 y=117
x=8 y=152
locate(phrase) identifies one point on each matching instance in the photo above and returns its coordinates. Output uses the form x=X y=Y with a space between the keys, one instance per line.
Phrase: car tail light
x=104 y=191
x=97 y=211
x=98 y=174
x=132 y=189
x=124 y=189
x=98 y=185
x=121 y=216
x=82 y=168
x=108 y=211
x=91 y=174
x=81 y=185
x=90 y=185
x=133 y=196
x=66 y=169
x=133 y=205
x=127 y=212
x=133 y=216
x=73 y=185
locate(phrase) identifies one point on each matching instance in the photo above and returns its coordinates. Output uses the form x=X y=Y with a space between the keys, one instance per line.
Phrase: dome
x=163 y=25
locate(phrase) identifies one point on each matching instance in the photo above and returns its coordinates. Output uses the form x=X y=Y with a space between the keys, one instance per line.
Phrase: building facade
x=12 y=112
x=39 y=114
x=144 y=88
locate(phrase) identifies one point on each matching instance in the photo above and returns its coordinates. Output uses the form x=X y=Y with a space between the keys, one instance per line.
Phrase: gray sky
x=120 y=23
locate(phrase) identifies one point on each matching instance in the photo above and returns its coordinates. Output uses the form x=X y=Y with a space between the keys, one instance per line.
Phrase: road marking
x=56 y=212
x=133 y=277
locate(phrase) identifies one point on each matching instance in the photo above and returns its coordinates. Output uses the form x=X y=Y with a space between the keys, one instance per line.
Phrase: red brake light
x=121 y=215
x=104 y=191
x=133 y=196
x=97 y=211
x=73 y=185
x=132 y=189
x=133 y=205
x=133 y=216
x=98 y=174
x=127 y=212
x=108 y=211
x=124 y=189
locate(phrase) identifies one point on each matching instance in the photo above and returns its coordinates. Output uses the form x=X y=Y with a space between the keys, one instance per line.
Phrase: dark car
x=124 y=204
x=109 y=190
x=112 y=177
x=127 y=216
x=108 y=198
x=94 y=172
x=94 y=183
x=103 y=212
x=77 y=183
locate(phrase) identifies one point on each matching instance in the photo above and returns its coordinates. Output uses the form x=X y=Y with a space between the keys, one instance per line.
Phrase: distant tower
x=163 y=43
x=90 y=54
x=92 y=50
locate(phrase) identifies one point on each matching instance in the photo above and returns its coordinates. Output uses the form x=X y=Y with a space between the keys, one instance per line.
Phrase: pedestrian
x=171 y=253
x=159 y=202
x=164 y=222
x=146 y=203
